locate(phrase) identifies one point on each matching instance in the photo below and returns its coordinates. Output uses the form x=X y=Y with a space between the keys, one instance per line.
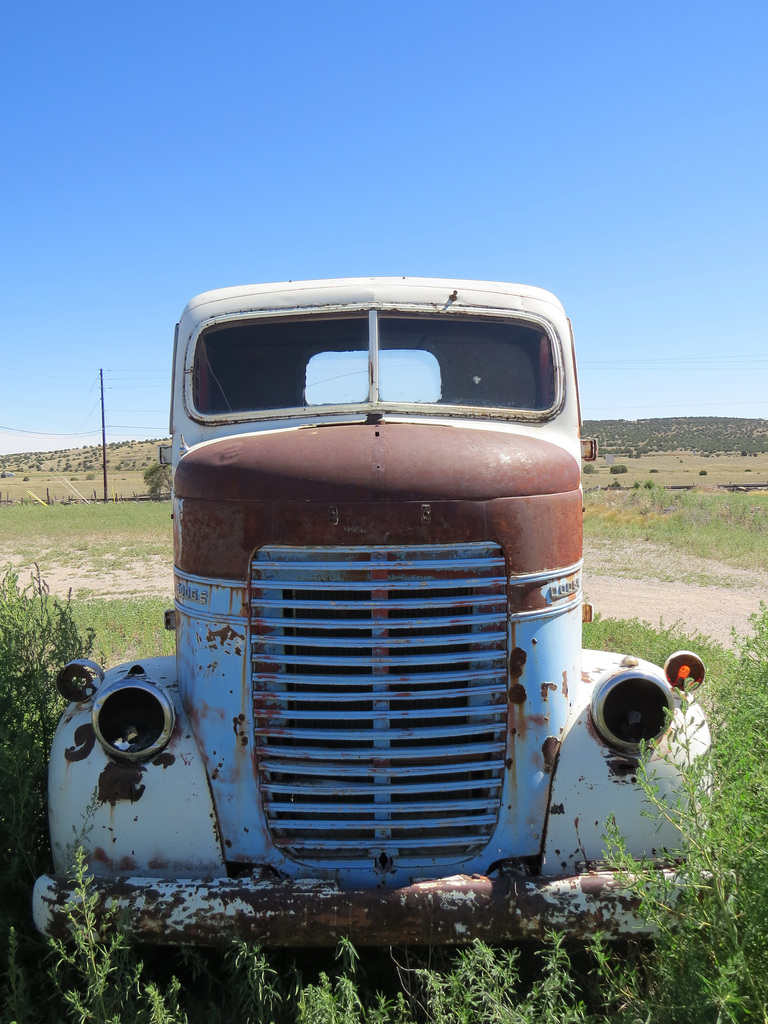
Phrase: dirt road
x=714 y=611
x=656 y=585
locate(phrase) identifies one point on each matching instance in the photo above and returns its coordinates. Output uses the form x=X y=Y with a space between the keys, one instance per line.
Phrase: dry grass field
x=682 y=469
x=60 y=475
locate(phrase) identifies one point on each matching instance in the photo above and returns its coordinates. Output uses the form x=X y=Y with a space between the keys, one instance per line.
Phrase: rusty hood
x=370 y=462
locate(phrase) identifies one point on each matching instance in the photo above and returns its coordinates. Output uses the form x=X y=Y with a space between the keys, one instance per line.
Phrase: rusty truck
x=379 y=722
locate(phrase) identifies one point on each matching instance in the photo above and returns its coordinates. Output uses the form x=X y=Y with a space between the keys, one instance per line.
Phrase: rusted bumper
x=446 y=911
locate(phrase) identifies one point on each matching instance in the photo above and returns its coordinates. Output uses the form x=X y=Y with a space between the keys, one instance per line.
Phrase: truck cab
x=379 y=722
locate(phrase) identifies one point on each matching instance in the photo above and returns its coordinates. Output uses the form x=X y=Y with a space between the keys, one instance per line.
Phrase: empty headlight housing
x=631 y=707
x=133 y=717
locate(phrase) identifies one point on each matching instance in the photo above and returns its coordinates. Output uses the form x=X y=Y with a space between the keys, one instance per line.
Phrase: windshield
x=482 y=363
x=387 y=360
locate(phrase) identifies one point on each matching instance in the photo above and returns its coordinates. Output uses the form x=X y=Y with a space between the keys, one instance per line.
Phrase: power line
x=45 y=433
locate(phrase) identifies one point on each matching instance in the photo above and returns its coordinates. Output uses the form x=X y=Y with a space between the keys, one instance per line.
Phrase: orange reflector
x=684 y=670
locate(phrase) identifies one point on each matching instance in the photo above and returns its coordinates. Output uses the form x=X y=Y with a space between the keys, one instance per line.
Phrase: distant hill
x=713 y=435
x=122 y=456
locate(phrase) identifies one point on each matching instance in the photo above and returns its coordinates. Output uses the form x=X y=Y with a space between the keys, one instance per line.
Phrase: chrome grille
x=379 y=679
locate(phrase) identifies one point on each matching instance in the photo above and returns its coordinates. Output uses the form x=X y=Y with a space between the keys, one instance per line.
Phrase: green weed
x=38 y=635
x=735 y=526
x=710 y=959
x=125 y=628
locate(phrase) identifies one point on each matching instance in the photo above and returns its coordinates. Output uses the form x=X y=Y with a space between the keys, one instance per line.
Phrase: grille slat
x=385 y=585
x=382 y=753
x=393 y=604
x=412 y=696
x=369 y=738
x=389 y=641
x=341 y=790
x=321 y=773
x=379 y=678
x=340 y=824
x=393 y=714
x=369 y=623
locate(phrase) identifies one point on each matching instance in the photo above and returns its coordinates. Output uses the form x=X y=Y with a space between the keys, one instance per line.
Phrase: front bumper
x=445 y=911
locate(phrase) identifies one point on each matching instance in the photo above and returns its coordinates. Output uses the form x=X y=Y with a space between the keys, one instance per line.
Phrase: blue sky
x=614 y=153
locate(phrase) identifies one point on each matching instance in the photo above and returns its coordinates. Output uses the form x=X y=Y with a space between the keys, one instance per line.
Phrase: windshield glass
x=491 y=364
x=261 y=365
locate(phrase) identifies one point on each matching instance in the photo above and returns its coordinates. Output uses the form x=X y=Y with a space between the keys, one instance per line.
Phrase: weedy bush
x=38 y=635
x=734 y=526
x=710 y=959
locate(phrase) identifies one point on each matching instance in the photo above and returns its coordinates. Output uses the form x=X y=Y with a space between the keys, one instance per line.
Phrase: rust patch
x=623 y=767
x=84 y=738
x=219 y=535
x=517 y=662
x=565 y=685
x=549 y=749
x=517 y=694
x=120 y=782
x=238 y=727
x=164 y=760
x=546 y=688
x=220 y=637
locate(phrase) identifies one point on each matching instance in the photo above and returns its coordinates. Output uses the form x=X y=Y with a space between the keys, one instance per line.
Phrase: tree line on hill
x=121 y=456
x=711 y=435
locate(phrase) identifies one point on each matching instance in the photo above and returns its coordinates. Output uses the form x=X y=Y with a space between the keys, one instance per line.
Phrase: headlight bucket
x=77 y=681
x=630 y=708
x=133 y=718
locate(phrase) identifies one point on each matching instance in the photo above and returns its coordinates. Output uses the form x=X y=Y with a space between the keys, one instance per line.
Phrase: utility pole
x=103 y=438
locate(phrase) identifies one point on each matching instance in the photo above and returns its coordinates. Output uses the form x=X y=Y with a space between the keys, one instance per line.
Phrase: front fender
x=593 y=782
x=153 y=817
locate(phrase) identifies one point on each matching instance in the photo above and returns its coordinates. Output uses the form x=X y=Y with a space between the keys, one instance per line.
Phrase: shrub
x=710 y=958
x=702 y=472
x=589 y=468
x=618 y=467
x=158 y=479
x=38 y=635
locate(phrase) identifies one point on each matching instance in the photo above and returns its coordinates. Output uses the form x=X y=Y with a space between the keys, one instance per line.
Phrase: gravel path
x=651 y=583
x=714 y=611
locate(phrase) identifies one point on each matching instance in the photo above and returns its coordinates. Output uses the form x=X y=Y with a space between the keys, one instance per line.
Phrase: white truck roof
x=397 y=292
